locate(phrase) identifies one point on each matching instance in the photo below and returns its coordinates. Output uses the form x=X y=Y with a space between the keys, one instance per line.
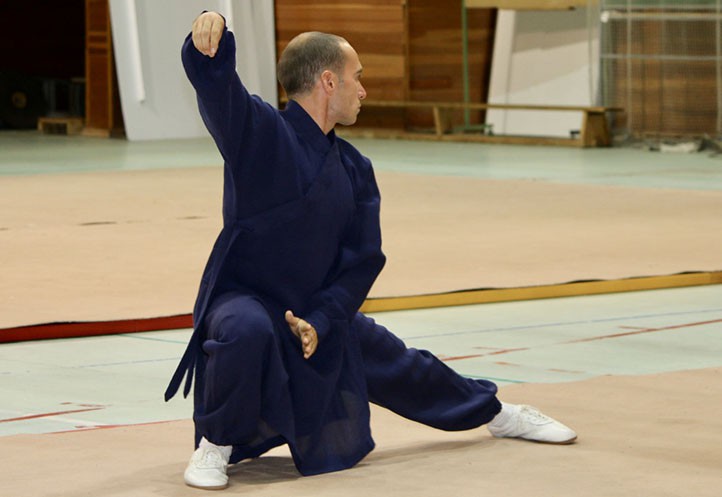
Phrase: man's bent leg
x=239 y=334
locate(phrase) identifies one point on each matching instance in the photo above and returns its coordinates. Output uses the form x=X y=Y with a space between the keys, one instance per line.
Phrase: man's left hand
x=305 y=332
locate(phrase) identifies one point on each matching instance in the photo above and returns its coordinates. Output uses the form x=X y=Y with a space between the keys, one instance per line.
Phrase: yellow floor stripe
x=469 y=297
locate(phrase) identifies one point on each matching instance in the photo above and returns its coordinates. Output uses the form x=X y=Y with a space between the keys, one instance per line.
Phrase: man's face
x=346 y=102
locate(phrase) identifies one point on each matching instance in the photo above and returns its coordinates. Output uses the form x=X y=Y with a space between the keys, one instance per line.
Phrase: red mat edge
x=76 y=329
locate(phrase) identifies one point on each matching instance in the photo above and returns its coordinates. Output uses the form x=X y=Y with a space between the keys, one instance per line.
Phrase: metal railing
x=662 y=61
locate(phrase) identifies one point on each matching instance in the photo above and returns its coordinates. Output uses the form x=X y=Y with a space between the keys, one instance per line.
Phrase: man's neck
x=316 y=106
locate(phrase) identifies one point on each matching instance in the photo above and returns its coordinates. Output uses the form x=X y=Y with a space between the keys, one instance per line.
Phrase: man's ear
x=327 y=81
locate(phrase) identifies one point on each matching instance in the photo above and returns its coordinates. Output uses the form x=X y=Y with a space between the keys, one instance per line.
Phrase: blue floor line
x=492 y=378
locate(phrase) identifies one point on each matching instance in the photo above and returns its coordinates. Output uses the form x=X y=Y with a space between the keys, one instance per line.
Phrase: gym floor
x=60 y=385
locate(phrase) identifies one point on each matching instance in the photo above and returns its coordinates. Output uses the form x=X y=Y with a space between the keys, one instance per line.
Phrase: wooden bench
x=594 y=131
x=60 y=125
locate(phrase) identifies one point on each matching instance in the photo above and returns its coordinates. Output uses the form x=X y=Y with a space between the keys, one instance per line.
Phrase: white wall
x=544 y=58
x=157 y=100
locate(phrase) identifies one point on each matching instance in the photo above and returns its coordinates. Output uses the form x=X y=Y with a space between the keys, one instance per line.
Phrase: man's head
x=324 y=63
x=306 y=57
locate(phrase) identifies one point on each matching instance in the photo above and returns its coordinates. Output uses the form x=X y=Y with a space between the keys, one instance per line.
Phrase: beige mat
x=132 y=244
x=658 y=435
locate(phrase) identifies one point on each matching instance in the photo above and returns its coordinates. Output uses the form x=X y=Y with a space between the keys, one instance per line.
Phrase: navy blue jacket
x=301 y=231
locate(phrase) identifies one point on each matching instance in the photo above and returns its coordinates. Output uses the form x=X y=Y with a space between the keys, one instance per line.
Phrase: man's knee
x=376 y=341
x=236 y=318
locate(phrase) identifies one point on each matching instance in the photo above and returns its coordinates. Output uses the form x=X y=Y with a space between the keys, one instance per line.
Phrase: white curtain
x=157 y=100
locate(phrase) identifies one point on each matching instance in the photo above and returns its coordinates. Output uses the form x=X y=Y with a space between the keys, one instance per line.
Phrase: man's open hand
x=304 y=331
x=207 y=32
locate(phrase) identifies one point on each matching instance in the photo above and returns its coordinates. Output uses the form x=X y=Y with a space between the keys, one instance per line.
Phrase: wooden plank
x=595 y=132
x=436 y=55
x=385 y=21
x=334 y=4
x=375 y=28
x=386 y=66
x=357 y=131
x=486 y=296
x=527 y=4
x=484 y=106
x=103 y=116
x=439 y=126
x=60 y=125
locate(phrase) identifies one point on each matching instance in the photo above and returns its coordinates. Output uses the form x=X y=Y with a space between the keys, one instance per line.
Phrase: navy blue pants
x=245 y=370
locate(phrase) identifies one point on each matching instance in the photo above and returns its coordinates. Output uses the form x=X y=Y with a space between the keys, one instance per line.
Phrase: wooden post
x=103 y=116
x=442 y=120
x=595 y=132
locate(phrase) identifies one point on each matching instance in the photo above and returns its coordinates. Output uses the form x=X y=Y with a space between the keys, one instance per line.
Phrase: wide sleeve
x=359 y=262
x=227 y=109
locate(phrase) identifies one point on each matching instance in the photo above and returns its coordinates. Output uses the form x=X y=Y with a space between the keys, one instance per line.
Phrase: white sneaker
x=520 y=421
x=207 y=468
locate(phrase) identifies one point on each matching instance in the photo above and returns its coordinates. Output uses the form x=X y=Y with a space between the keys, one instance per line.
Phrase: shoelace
x=210 y=459
x=533 y=415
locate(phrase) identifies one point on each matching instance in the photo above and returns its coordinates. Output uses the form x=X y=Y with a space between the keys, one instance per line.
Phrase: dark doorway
x=42 y=65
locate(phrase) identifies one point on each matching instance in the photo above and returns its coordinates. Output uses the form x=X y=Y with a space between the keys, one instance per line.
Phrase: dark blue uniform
x=300 y=232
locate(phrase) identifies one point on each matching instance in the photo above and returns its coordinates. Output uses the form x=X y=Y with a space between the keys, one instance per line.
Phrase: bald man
x=280 y=353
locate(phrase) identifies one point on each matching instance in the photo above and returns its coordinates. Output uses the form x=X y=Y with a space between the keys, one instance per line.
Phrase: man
x=280 y=353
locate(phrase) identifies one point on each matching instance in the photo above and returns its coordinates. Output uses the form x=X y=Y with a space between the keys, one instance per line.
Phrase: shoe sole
x=564 y=442
x=216 y=487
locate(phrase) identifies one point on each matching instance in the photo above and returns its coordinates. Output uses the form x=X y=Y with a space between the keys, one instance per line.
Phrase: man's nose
x=361 y=92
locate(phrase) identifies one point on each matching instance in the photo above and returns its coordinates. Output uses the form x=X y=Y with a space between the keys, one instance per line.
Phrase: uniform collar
x=307 y=128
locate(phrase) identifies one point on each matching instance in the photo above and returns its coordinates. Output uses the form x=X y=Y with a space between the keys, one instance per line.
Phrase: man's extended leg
x=417 y=385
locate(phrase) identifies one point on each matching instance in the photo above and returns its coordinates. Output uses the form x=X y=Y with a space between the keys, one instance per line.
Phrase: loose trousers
x=244 y=366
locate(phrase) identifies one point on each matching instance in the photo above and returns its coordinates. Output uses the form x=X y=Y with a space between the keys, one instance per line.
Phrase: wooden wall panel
x=375 y=28
x=436 y=54
x=410 y=49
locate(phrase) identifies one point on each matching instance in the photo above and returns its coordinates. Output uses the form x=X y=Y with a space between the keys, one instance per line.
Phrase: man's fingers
x=206 y=36
x=302 y=327
x=296 y=324
x=305 y=332
x=207 y=32
x=292 y=320
x=310 y=343
x=199 y=41
x=311 y=348
x=216 y=33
